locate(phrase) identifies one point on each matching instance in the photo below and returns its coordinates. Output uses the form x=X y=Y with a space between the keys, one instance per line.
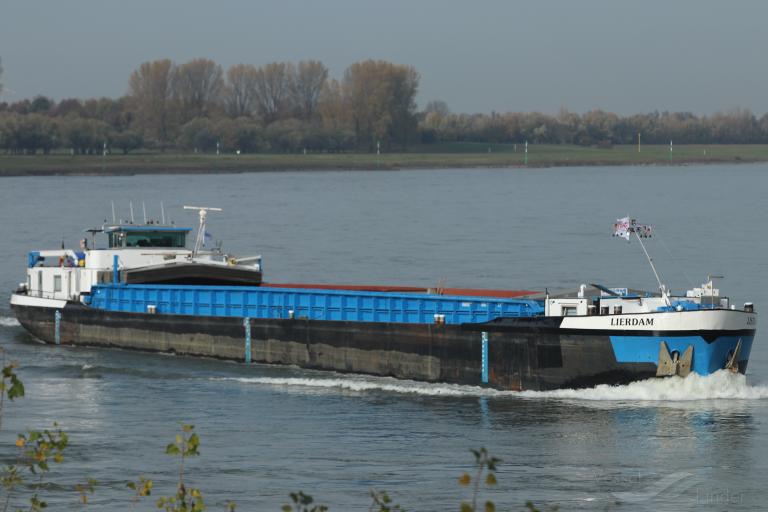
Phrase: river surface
x=266 y=431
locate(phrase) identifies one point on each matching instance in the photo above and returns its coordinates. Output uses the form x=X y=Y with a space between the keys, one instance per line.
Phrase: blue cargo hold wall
x=312 y=304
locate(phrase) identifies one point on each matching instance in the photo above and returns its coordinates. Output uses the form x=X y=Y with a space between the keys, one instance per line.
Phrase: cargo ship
x=145 y=290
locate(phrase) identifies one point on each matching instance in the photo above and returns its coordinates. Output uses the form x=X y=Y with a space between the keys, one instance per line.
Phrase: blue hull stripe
x=707 y=357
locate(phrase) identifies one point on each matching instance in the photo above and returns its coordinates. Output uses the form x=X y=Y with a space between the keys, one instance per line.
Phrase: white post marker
x=526 y=152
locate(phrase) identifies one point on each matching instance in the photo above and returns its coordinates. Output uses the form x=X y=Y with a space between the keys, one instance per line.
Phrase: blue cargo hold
x=311 y=304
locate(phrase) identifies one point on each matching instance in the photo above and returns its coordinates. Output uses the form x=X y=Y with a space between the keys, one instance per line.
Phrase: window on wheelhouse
x=149 y=238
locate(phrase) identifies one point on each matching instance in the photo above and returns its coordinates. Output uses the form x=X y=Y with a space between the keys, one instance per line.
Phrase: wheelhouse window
x=56 y=283
x=116 y=239
x=569 y=310
x=166 y=239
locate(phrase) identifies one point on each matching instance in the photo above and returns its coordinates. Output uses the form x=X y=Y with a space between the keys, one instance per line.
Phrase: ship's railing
x=312 y=304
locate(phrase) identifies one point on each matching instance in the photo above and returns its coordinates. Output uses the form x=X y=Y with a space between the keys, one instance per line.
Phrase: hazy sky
x=638 y=56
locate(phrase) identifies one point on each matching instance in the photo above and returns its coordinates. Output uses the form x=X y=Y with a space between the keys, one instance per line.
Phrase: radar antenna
x=203 y=213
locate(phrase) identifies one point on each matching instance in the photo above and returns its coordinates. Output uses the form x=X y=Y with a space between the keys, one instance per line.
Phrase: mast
x=625 y=228
x=203 y=213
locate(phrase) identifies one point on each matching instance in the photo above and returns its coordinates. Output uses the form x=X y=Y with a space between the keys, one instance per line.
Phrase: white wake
x=721 y=385
x=367 y=384
x=8 y=321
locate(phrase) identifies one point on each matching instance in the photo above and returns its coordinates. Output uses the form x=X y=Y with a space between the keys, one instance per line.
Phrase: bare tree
x=336 y=124
x=381 y=100
x=405 y=85
x=198 y=85
x=438 y=107
x=274 y=83
x=150 y=90
x=311 y=76
x=240 y=91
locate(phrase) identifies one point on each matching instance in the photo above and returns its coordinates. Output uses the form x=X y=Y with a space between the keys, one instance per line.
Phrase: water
x=698 y=443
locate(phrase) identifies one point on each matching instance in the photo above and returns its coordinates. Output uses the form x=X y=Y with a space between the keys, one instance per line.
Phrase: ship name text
x=631 y=322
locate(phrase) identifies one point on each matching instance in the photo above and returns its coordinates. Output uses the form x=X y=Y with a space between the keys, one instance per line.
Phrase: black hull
x=527 y=354
x=195 y=274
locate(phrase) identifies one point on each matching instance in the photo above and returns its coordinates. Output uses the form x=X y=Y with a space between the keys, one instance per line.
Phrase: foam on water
x=8 y=321
x=363 y=384
x=721 y=385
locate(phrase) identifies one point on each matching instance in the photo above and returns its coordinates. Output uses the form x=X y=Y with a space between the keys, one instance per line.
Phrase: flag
x=207 y=237
x=625 y=226
x=644 y=230
x=622 y=227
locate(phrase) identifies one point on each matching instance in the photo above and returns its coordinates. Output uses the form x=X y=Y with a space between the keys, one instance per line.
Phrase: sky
x=627 y=57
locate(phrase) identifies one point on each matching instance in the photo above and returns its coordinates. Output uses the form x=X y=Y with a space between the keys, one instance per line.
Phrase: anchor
x=673 y=364
x=732 y=363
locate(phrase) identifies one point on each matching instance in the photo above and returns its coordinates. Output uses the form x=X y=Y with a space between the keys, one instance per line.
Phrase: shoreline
x=541 y=157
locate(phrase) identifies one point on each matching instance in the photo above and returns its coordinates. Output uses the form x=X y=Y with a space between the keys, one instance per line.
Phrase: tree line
x=286 y=107
x=196 y=106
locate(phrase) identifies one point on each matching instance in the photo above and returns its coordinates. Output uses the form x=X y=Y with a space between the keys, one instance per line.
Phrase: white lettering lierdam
x=631 y=322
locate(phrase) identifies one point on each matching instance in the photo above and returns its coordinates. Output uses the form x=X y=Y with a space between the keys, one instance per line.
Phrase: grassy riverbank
x=426 y=156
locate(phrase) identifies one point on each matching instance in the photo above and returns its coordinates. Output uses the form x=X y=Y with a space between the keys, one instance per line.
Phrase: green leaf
x=490 y=479
x=17 y=388
x=490 y=506
x=466 y=507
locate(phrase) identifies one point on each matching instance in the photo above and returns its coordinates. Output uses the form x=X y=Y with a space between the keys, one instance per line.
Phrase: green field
x=424 y=156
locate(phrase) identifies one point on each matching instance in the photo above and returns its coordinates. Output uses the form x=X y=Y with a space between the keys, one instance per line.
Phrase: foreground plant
x=186 y=445
x=141 y=488
x=37 y=449
x=383 y=503
x=84 y=489
x=10 y=385
x=302 y=503
x=485 y=465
